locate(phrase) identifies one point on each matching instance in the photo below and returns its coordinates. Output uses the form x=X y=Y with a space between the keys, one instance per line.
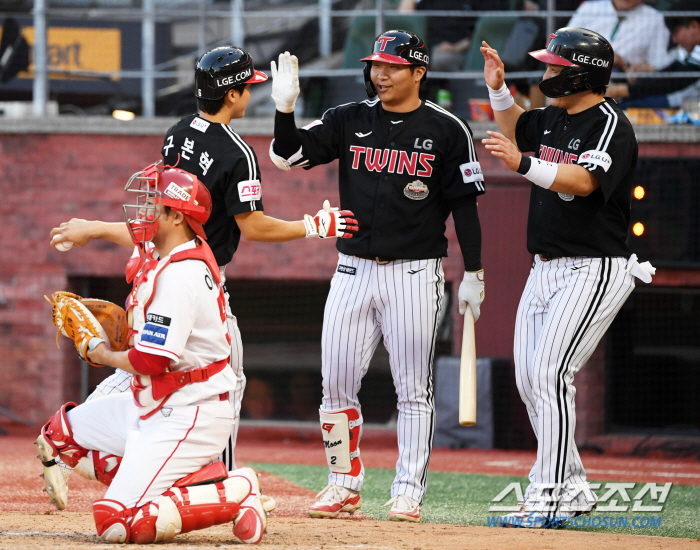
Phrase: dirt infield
x=28 y=521
x=76 y=530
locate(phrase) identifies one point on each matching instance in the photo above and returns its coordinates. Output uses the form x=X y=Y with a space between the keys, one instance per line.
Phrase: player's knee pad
x=98 y=466
x=342 y=431
x=143 y=525
x=56 y=439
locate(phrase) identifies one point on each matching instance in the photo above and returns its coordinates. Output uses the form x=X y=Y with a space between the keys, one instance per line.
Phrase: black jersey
x=227 y=165
x=602 y=140
x=398 y=173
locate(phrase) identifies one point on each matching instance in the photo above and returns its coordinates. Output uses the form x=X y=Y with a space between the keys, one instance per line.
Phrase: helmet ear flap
x=369 y=85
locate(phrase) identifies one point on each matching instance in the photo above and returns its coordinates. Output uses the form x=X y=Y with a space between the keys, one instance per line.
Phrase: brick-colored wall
x=50 y=178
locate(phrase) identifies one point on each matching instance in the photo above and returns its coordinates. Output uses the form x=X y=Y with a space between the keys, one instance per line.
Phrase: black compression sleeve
x=468 y=229
x=287 y=139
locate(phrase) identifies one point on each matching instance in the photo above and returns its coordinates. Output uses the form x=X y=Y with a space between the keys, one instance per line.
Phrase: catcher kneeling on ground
x=171 y=427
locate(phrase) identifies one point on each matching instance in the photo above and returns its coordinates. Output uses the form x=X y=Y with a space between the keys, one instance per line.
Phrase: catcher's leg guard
x=342 y=431
x=185 y=509
x=56 y=439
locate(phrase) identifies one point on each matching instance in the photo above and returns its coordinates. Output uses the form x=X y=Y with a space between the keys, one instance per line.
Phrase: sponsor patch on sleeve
x=348 y=270
x=154 y=334
x=312 y=124
x=596 y=158
x=471 y=172
x=199 y=124
x=158 y=319
x=249 y=190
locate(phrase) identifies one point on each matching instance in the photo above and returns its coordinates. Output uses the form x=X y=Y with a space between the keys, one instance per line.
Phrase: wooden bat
x=467 y=373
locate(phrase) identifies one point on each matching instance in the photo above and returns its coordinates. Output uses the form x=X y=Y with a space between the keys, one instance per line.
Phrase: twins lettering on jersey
x=552 y=154
x=375 y=160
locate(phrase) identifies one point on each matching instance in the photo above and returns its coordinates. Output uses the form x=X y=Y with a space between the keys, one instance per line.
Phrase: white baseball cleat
x=55 y=475
x=333 y=500
x=251 y=522
x=404 y=509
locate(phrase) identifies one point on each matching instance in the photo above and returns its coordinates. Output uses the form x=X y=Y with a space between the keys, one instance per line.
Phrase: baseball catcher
x=170 y=428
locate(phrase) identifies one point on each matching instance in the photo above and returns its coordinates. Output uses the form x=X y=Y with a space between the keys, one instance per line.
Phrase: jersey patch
x=565 y=197
x=199 y=124
x=158 y=319
x=249 y=190
x=597 y=158
x=471 y=171
x=348 y=270
x=154 y=334
x=416 y=190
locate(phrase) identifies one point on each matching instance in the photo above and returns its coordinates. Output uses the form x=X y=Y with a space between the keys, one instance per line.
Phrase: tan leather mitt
x=88 y=322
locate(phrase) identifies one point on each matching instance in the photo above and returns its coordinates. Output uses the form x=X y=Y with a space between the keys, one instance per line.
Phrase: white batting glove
x=285 y=82
x=471 y=291
x=330 y=223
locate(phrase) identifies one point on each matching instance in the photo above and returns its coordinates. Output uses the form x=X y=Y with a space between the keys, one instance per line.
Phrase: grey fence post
x=379 y=23
x=325 y=43
x=41 y=81
x=148 y=39
x=237 y=29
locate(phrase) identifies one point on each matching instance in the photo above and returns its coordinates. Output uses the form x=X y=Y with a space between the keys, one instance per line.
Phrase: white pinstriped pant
x=120 y=381
x=399 y=301
x=566 y=307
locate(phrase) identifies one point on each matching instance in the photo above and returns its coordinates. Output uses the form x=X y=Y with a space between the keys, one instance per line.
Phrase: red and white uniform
x=179 y=319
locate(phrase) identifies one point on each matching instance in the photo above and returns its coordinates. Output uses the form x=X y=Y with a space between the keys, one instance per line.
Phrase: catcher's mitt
x=86 y=320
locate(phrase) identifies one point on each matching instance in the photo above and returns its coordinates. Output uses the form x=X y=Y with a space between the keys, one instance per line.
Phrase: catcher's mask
x=157 y=186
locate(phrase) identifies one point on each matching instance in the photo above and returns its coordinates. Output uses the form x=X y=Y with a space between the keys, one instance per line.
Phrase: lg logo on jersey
x=574 y=144
x=427 y=144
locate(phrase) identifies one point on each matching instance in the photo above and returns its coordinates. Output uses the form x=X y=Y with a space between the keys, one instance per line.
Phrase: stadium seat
x=495 y=30
x=362 y=33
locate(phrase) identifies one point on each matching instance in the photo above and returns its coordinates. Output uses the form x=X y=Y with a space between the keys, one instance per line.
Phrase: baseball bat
x=467 y=373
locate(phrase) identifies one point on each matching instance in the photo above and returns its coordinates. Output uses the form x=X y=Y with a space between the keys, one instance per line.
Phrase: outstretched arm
x=326 y=224
x=80 y=232
x=505 y=110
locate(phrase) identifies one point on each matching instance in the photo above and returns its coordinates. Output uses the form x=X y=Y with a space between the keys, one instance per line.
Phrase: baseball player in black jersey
x=404 y=165
x=206 y=146
x=585 y=156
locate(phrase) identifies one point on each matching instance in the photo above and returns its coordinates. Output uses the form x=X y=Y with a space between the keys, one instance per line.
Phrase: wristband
x=501 y=100
x=540 y=172
x=310 y=226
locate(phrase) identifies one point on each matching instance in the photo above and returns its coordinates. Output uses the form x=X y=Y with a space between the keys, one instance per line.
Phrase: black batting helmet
x=587 y=58
x=221 y=69
x=397 y=48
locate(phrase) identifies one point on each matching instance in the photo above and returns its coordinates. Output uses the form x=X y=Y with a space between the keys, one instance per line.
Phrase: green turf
x=464 y=499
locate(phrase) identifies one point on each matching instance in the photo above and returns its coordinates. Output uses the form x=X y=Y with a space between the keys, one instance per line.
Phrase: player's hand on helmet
x=330 y=223
x=503 y=148
x=494 y=71
x=471 y=291
x=285 y=82
x=75 y=232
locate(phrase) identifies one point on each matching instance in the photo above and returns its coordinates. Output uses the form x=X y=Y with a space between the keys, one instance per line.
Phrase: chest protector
x=152 y=392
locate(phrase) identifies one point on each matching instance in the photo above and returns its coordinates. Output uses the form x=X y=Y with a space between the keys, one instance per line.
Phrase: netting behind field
x=653 y=363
